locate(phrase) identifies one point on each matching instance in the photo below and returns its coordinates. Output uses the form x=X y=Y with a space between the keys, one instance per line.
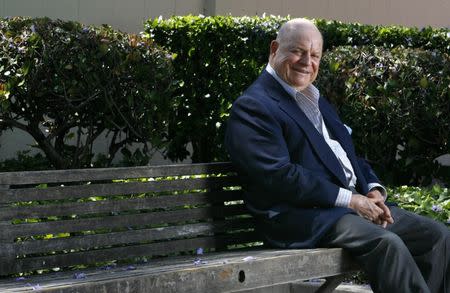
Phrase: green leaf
x=334 y=66
x=423 y=82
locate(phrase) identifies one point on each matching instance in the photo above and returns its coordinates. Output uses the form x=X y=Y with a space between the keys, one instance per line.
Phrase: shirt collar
x=310 y=91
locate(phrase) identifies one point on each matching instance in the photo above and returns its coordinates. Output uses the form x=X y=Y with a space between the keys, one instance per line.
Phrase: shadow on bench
x=189 y=221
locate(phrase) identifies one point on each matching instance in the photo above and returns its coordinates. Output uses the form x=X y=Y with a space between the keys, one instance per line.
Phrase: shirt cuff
x=379 y=187
x=343 y=198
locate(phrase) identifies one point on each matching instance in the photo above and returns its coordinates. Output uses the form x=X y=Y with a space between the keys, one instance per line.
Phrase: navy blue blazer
x=290 y=176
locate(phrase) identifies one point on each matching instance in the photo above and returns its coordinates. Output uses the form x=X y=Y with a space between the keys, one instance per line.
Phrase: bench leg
x=330 y=284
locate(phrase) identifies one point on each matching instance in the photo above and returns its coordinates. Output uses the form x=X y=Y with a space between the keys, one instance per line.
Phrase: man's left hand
x=386 y=217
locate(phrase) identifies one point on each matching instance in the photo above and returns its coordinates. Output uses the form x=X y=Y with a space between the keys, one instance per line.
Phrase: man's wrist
x=344 y=197
x=379 y=187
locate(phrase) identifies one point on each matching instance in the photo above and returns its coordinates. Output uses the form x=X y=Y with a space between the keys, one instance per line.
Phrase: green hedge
x=62 y=80
x=218 y=57
x=397 y=101
x=67 y=85
x=336 y=33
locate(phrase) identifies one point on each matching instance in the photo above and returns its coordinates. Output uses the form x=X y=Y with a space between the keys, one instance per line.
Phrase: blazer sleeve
x=254 y=140
x=367 y=171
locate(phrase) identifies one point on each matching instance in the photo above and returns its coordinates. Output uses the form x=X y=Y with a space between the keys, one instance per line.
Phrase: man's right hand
x=368 y=209
x=385 y=218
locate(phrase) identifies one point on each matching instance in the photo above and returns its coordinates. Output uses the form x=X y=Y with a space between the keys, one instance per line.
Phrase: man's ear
x=273 y=47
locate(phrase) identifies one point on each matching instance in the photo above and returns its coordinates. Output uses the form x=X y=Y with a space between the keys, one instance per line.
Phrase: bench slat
x=111 y=189
x=115 y=206
x=125 y=237
x=219 y=272
x=120 y=221
x=57 y=176
x=128 y=252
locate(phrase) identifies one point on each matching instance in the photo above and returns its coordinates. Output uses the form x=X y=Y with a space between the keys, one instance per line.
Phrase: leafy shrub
x=336 y=34
x=67 y=84
x=433 y=202
x=81 y=71
x=25 y=162
x=397 y=102
x=219 y=57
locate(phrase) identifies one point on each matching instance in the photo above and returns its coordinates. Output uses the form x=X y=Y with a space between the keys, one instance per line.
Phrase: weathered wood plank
x=4 y=236
x=72 y=175
x=116 y=206
x=126 y=237
x=240 y=274
x=224 y=272
x=120 y=221
x=128 y=252
x=111 y=189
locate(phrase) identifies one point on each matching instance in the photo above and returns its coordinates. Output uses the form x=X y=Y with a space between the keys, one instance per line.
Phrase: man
x=305 y=184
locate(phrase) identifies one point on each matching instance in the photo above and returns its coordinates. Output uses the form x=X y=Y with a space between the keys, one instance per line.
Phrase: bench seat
x=211 y=272
x=75 y=221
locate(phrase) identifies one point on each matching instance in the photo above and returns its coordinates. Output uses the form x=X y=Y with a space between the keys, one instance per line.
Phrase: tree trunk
x=45 y=145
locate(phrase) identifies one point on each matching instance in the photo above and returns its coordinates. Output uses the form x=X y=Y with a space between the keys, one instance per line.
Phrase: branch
x=13 y=123
x=114 y=147
x=122 y=116
x=81 y=105
x=61 y=129
x=87 y=148
x=52 y=155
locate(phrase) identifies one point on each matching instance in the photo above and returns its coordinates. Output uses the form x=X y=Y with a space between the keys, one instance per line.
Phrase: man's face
x=296 y=59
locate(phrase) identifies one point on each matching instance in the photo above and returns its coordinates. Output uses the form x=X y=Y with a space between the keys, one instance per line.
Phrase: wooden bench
x=174 y=228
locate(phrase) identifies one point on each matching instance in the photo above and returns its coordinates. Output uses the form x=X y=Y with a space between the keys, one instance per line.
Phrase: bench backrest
x=63 y=218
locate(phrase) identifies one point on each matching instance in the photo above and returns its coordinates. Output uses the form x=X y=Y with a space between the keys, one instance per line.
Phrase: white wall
x=128 y=15
x=399 y=12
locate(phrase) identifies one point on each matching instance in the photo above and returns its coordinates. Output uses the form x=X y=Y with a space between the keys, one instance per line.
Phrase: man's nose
x=305 y=59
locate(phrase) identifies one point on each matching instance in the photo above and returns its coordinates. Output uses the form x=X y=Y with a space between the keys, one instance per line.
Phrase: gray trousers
x=411 y=255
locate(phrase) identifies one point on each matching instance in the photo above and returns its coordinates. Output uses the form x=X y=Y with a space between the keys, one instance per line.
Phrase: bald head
x=289 y=30
x=296 y=52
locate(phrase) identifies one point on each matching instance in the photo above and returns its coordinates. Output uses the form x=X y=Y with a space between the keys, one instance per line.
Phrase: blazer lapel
x=339 y=132
x=319 y=144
